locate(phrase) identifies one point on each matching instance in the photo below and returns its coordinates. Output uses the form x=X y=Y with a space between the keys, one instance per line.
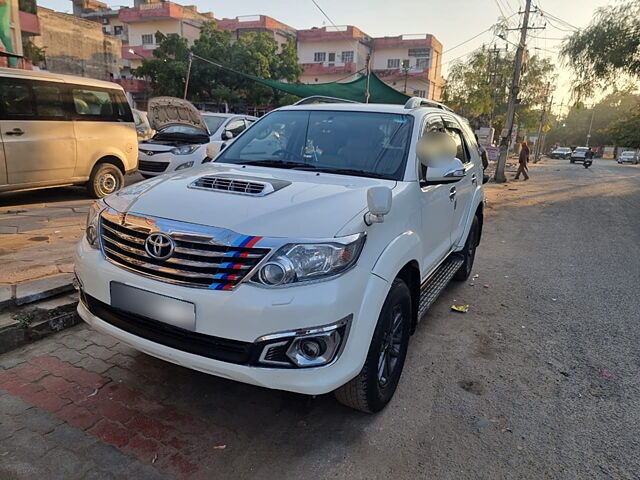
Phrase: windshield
x=351 y=143
x=213 y=122
x=563 y=149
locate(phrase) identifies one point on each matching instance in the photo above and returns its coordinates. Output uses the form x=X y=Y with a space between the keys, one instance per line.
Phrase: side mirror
x=227 y=135
x=379 y=203
x=448 y=170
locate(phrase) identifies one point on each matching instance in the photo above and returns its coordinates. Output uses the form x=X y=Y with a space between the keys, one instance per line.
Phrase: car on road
x=302 y=258
x=59 y=130
x=629 y=156
x=561 y=152
x=184 y=136
x=578 y=154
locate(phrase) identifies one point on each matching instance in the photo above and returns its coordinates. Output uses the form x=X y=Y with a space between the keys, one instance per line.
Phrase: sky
x=450 y=21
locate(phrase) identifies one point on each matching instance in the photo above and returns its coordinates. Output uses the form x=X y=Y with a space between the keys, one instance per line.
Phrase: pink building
x=257 y=23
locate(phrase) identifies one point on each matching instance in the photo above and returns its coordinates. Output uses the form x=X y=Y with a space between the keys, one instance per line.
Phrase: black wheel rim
x=391 y=346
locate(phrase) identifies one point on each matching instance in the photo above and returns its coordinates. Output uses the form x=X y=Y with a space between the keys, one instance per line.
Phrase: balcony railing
x=324 y=68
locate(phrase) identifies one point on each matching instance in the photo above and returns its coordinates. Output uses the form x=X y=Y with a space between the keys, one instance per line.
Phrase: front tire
x=376 y=383
x=105 y=179
x=469 y=252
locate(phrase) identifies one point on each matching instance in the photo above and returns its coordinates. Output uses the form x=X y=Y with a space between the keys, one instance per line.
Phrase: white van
x=59 y=130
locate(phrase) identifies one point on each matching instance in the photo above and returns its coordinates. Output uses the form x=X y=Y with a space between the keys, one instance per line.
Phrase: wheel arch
x=410 y=274
x=113 y=159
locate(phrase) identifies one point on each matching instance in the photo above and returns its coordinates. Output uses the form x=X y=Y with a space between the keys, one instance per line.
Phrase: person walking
x=523 y=160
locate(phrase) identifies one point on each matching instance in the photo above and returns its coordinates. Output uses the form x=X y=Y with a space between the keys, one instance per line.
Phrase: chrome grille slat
x=196 y=262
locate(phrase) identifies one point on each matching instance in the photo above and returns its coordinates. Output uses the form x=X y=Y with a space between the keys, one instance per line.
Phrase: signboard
x=485 y=136
x=609 y=152
x=493 y=153
x=10 y=36
x=546 y=128
x=533 y=139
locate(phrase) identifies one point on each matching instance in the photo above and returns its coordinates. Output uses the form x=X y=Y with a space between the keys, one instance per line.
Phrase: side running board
x=436 y=283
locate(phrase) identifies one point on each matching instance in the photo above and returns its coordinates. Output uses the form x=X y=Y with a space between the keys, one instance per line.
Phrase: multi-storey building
x=329 y=54
x=257 y=23
x=410 y=63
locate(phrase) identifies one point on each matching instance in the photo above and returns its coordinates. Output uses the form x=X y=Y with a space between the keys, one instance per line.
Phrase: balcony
x=29 y=23
x=133 y=85
x=327 y=68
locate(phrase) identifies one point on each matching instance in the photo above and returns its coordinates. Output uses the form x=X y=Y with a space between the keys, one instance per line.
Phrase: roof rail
x=322 y=99
x=417 y=102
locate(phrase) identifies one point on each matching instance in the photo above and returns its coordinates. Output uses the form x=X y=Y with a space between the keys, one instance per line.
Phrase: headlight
x=184 y=150
x=301 y=262
x=184 y=165
x=93 y=222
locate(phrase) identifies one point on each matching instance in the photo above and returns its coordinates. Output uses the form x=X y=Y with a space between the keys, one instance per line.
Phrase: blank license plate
x=153 y=305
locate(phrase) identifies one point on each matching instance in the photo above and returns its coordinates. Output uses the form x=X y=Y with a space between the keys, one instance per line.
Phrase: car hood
x=166 y=111
x=303 y=205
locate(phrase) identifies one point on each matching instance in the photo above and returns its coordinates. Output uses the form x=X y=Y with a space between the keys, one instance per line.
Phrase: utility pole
x=543 y=114
x=367 y=94
x=186 y=83
x=593 y=114
x=405 y=68
x=513 y=96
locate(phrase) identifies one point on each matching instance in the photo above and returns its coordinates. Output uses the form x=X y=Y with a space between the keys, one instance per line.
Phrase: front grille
x=195 y=262
x=224 y=349
x=232 y=185
x=156 y=167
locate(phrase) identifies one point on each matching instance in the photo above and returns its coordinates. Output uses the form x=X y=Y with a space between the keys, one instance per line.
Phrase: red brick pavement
x=110 y=411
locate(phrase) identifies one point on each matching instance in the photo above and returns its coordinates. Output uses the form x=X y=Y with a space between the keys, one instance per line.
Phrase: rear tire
x=376 y=383
x=469 y=252
x=105 y=179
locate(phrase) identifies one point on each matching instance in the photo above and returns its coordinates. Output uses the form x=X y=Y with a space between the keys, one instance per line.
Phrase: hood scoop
x=252 y=186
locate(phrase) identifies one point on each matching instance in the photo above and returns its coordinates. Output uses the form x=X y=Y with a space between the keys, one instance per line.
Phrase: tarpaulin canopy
x=356 y=90
x=379 y=92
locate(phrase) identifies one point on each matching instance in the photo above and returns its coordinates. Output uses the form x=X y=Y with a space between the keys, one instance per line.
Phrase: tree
x=254 y=53
x=608 y=50
x=477 y=88
x=167 y=69
x=626 y=132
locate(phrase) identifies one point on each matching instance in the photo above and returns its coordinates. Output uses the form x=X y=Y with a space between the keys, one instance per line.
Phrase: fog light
x=314 y=350
x=184 y=165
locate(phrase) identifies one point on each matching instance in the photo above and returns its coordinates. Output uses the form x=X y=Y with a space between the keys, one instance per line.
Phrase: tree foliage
x=614 y=118
x=608 y=50
x=478 y=88
x=254 y=53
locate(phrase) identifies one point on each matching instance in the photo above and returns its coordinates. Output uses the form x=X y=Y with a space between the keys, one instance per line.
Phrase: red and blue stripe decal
x=244 y=241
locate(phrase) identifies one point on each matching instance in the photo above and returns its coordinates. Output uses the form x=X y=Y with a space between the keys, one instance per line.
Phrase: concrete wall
x=76 y=46
x=166 y=26
x=306 y=50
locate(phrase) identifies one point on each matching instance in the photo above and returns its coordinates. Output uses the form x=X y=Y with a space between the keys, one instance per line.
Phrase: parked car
x=143 y=129
x=184 y=136
x=578 y=154
x=561 y=152
x=302 y=258
x=628 y=156
x=59 y=130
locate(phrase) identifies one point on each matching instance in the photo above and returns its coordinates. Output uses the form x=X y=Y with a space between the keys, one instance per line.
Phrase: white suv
x=184 y=136
x=302 y=259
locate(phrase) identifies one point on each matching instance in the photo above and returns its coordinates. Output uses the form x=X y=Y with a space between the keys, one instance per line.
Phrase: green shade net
x=355 y=90
x=379 y=92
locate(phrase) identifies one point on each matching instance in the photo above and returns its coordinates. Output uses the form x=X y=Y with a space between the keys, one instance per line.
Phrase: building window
x=406 y=65
x=147 y=39
x=420 y=93
x=347 y=57
x=320 y=56
x=422 y=63
x=393 y=63
x=117 y=29
x=332 y=57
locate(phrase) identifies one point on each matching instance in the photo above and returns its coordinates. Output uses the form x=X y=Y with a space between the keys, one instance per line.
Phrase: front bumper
x=241 y=316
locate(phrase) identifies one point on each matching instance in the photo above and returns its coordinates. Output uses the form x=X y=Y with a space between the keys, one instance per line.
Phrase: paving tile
x=71 y=437
x=12 y=405
x=30 y=442
x=64 y=464
x=111 y=433
x=98 y=474
x=78 y=416
x=8 y=361
x=109 y=458
x=38 y=420
x=74 y=342
x=94 y=364
x=101 y=339
x=98 y=351
x=9 y=426
x=67 y=355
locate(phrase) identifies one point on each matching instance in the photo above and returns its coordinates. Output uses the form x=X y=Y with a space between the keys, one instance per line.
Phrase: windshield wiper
x=348 y=171
x=279 y=164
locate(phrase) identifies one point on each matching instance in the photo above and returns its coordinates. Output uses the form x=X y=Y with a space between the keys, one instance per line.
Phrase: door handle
x=474 y=179
x=452 y=193
x=15 y=131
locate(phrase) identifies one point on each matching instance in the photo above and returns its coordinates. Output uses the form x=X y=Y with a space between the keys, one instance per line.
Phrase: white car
x=184 y=136
x=628 y=156
x=302 y=258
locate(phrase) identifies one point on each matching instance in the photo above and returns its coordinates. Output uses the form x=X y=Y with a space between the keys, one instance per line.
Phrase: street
x=538 y=380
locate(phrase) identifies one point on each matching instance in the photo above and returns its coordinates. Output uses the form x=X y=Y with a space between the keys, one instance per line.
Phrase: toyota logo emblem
x=159 y=246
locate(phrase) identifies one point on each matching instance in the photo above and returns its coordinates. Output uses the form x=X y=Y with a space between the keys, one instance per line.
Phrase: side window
x=92 y=102
x=455 y=131
x=16 y=99
x=122 y=105
x=236 y=126
x=49 y=100
x=433 y=124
